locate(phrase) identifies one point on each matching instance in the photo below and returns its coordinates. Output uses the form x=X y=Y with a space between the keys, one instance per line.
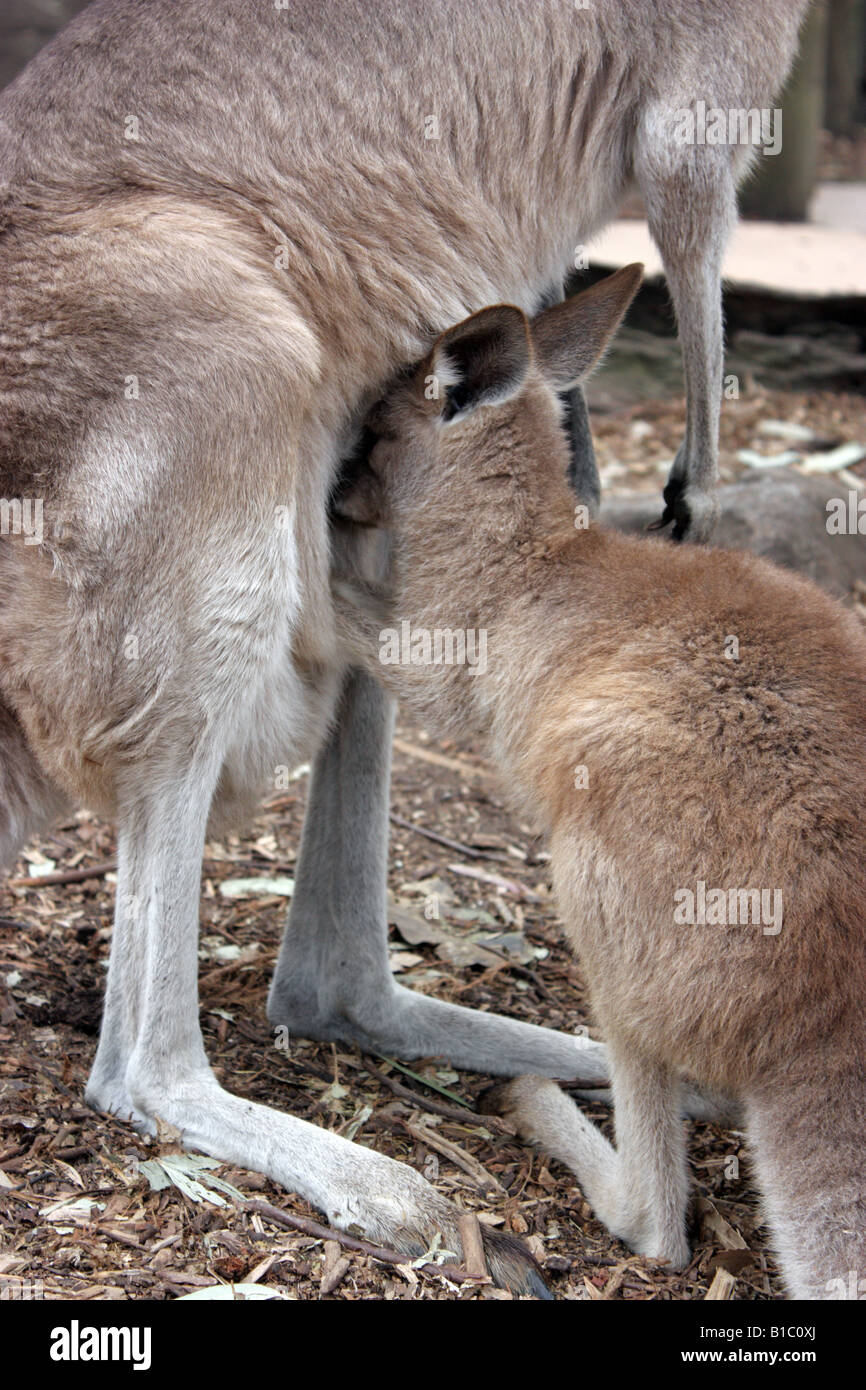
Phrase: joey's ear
x=570 y=337
x=482 y=361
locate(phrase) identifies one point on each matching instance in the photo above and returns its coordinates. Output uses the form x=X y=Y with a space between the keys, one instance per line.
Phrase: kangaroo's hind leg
x=152 y=983
x=638 y=1189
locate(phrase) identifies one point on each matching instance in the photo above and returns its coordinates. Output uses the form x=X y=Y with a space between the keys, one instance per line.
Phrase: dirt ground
x=79 y=1219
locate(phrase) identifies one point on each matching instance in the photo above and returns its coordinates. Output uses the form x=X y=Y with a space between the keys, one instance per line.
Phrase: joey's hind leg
x=638 y=1189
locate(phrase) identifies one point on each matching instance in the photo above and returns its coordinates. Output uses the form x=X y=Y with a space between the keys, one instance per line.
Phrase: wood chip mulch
x=79 y=1221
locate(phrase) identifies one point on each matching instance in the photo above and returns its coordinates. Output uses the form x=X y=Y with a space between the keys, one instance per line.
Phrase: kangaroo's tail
x=808 y=1135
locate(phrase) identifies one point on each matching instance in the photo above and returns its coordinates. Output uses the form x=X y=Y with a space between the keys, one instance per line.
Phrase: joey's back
x=702 y=721
x=686 y=723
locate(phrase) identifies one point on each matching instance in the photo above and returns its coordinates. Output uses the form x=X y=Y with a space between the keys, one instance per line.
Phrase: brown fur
x=608 y=653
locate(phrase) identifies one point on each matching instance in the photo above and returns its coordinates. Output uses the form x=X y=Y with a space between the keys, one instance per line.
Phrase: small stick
x=107 y=866
x=55 y=1080
x=722 y=1286
x=336 y=1267
x=436 y=1107
x=377 y=1252
x=426 y=755
x=518 y=969
x=456 y=845
x=473 y=1246
x=569 y=1084
x=425 y=1135
x=250 y=956
x=122 y=1239
x=508 y=885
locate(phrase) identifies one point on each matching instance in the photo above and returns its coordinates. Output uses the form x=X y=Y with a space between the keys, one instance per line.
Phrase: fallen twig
x=577 y=1085
x=377 y=1252
x=453 y=1152
x=426 y=1081
x=426 y=755
x=123 y=1239
x=107 y=866
x=473 y=1245
x=507 y=885
x=336 y=1268
x=436 y=1107
x=456 y=845
x=721 y=1287
x=517 y=967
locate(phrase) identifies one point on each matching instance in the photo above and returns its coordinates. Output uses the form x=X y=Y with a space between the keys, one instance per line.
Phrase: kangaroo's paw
x=692 y=510
x=360 y=1191
x=405 y=1212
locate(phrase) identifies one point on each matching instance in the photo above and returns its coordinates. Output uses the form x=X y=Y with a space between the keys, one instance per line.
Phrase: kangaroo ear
x=571 y=337
x=482 y=361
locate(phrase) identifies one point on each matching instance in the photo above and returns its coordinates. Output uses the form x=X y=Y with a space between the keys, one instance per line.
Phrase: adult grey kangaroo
x=222 y=228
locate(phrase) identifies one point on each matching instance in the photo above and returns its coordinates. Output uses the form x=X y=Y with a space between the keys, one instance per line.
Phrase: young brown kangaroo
x=691 y=730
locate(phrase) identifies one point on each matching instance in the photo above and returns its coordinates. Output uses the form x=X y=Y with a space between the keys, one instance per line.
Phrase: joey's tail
x=808 y=1136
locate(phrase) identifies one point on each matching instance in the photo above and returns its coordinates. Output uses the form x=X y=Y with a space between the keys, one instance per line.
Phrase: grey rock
x=782 y=516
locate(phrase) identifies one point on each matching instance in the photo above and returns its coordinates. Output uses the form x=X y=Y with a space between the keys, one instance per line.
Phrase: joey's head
x=469 y=445
x=464 y=476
